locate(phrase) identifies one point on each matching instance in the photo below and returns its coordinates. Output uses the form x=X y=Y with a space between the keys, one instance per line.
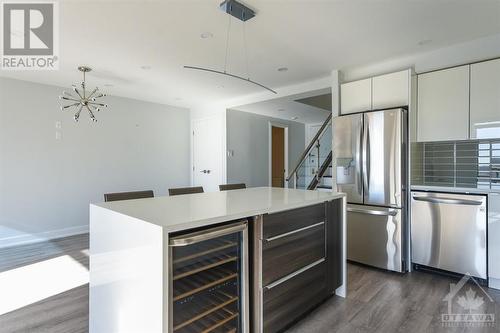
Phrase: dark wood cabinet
x=284 y=255
x=290 y=220
x=296 y=263
x=284 y=303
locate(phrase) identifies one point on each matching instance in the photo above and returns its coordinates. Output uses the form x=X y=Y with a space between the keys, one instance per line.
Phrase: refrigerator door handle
x=366 y=157
x=359 y=149
x=373 y=212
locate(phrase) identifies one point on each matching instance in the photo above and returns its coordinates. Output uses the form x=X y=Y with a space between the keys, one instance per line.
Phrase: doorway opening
x=278 y=155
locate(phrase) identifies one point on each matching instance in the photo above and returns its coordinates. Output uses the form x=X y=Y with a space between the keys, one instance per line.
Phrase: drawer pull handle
x=204 y=235
x=286 y=234
x=294 y=274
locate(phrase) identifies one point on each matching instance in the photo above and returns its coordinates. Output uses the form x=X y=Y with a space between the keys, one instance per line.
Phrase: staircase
x=313 y=170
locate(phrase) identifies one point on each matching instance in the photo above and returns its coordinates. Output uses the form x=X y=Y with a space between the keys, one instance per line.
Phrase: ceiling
x=309 y=37
x=312 y=107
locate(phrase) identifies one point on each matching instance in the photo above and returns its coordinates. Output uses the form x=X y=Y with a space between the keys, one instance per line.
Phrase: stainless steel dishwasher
x=448 y=232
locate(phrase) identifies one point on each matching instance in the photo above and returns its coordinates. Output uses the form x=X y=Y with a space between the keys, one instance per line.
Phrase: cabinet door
x=391 y=90
x=443 y=105
x=485 y=100
x=494 y=240
x=356 y=96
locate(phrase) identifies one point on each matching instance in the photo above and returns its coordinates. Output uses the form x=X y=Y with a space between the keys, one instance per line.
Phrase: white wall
x=454 y=55
x=248 y=137
x=46 y=185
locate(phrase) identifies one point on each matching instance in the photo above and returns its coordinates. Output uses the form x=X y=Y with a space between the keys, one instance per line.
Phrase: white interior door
x=208 y=153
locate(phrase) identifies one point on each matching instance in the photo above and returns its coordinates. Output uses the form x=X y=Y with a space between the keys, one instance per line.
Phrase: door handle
x=373 y=212
x=204 y=235
x=451 y=201
x=358 y=165
x=293 y=232
x=365 y=160
x=294 y=274
x=205 y=171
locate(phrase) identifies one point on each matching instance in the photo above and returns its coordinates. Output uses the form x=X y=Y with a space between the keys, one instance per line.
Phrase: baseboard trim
x=494 y=283
x=42 y=236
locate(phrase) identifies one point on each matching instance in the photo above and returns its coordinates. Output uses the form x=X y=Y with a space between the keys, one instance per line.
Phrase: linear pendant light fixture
x=242 y=13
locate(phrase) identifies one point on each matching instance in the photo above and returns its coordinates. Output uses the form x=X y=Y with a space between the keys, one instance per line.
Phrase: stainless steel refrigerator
x=371 y=154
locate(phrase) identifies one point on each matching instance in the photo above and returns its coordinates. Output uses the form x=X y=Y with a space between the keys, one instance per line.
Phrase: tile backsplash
x=474 y=164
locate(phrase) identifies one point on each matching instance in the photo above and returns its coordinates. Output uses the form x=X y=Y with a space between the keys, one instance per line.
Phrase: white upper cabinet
x=356 y=96
x=391 y=90
x=485 y=100
x=443 y=105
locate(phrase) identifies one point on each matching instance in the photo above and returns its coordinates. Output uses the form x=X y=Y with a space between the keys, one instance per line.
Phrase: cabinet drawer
x=286 y=302
x=283 y=222
x=289 y=252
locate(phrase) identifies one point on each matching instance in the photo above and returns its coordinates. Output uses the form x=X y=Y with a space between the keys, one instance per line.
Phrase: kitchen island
x=260 y=257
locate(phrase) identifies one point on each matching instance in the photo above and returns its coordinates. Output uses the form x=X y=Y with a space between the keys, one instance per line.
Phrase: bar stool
x=228 y=187
x=185 y=190
x=128 y=195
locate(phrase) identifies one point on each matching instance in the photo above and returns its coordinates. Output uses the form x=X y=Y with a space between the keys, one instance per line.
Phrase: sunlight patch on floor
x=32 y=283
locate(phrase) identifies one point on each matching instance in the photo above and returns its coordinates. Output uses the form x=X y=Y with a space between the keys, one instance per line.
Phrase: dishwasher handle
x=450 y=201
x=200 y=236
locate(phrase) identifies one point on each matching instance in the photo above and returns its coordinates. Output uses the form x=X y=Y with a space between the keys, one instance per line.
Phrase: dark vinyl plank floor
x=377 y=301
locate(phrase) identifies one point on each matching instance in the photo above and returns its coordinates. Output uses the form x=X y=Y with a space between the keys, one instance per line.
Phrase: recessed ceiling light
x=206 y=35
x=295 y=118
x=178 y=99
x=281 y=110
x=145 y=67
x=424 y=42
x=282 y=69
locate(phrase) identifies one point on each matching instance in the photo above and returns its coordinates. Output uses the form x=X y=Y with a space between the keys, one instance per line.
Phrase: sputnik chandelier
x=81 y=98
x=243 y=13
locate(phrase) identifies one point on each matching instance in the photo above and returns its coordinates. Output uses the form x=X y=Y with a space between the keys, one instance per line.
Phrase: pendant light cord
x=227 y=43
x=246 y=51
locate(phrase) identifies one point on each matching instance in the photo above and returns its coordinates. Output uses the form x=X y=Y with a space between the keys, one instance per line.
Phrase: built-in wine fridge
x=208 y=274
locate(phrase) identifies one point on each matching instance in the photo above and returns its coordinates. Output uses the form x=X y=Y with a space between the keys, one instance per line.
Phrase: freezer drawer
x=449 y=232
x=374 y=236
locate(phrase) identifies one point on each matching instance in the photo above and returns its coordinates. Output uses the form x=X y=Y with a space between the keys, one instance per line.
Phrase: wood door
x=278 y=156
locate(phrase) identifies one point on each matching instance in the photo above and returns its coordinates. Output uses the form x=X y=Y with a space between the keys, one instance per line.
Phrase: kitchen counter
x=203 y=209
x=131 y=258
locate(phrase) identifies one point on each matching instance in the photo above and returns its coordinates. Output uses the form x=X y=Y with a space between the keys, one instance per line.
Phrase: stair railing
x=314 y=144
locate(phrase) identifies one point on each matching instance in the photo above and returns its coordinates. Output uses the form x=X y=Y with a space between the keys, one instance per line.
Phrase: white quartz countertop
x=194 y=210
